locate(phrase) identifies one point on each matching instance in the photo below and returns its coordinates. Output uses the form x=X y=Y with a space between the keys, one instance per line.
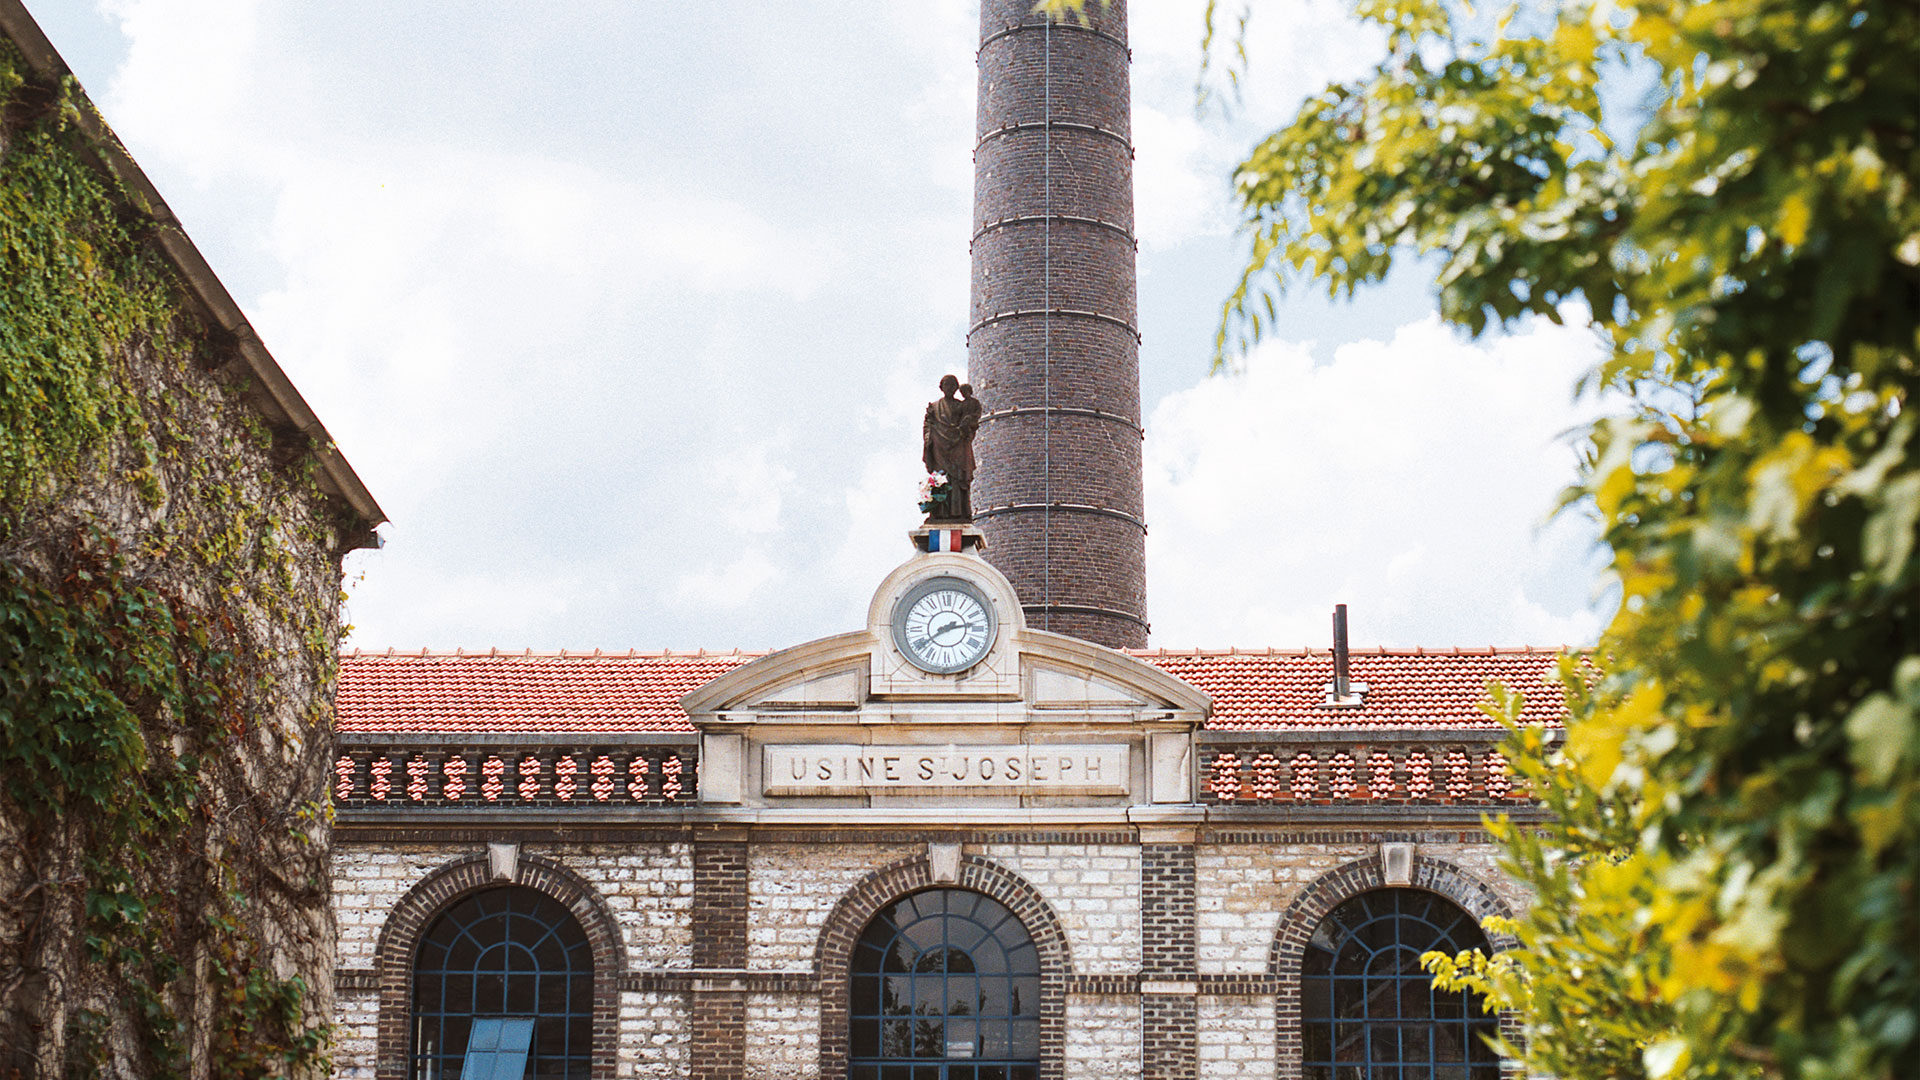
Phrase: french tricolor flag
x=943 y=540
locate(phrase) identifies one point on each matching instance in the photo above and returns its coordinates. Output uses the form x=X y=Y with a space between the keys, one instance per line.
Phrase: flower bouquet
x=934 y=492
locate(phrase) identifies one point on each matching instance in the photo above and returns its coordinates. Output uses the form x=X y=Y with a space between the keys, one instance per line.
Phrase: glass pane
x=1025 y=1042
x=929 y=1038
x=866 y=996
x=1025 y=999
x=532 y=965
x=896 y=1038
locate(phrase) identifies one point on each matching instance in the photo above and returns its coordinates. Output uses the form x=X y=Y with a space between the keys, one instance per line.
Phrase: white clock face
x=944 y=626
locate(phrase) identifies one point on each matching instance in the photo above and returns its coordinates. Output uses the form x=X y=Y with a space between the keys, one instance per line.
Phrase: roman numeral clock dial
x=944 y=625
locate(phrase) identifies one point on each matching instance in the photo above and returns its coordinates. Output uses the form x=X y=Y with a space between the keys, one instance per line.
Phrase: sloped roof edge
x=273 y=394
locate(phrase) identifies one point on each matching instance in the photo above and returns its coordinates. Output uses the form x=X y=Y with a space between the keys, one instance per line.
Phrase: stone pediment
x=1024 y=671
x=1004 y=715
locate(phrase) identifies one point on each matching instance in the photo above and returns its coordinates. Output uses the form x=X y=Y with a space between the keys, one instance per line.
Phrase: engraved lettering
x=822 y=769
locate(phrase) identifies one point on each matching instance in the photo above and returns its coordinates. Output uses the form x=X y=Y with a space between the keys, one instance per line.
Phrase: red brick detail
x=719 y=1045
x=720 y=904
x=1327 y=892
x=400 y=939
x=849 y=918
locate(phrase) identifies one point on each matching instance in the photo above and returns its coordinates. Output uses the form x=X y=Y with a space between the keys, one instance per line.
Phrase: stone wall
x=1213 y=1010
x=172 y=521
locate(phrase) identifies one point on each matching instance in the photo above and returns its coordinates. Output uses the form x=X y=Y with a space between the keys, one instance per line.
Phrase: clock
x=944 y=625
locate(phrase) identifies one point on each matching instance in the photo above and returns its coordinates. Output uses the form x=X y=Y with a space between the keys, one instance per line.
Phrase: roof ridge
x=1367 y=650
x=496 y=653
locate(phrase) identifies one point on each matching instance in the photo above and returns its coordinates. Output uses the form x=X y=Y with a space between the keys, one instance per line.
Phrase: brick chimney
x=1054 y=349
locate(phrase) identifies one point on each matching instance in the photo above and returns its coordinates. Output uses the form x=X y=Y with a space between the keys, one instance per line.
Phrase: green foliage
x=1731 y=883
x=73 y=294
x=146 y=558
x=1729 y=886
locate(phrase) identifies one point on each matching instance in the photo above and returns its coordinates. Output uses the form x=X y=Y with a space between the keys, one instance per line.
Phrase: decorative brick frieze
x=1304 y=915
x=685 y=980
x=1407 y=767
x=849 y=918
x=400 y=940
x=371 y=774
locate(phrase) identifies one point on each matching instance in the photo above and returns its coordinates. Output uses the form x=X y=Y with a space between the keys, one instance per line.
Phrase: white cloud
x=1408 y=478
x=627 y=315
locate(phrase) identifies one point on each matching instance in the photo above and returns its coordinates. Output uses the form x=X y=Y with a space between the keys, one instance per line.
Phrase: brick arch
x=407 y=922
x=833 y=955
x=1327 y=892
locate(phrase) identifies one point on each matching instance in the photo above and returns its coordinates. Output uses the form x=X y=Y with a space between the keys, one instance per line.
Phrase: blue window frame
x=945 y=985
x=497 y=1049
x=1367 y=1009
x=503 y=953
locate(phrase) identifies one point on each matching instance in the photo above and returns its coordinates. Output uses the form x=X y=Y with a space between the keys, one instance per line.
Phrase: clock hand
x=942 y=629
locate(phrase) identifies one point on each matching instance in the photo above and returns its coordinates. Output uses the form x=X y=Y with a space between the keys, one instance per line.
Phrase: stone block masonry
x=1054 y=344
x=1165 y=958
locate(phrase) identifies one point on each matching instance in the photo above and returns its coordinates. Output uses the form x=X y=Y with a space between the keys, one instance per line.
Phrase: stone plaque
x=847 y=769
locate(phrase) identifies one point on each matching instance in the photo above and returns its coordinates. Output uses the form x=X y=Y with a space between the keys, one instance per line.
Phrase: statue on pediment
x=946 y=448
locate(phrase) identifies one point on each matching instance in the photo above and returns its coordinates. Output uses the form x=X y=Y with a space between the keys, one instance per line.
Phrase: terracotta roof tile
x=1273 y=688
x=494 y=691
x=398 y=692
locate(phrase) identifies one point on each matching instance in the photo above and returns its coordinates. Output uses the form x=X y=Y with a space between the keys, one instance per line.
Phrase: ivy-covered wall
x=169 y=617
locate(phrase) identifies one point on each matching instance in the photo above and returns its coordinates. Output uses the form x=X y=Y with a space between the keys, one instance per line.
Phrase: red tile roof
x=1274 y=688
x=398 y=692
x=494 y=691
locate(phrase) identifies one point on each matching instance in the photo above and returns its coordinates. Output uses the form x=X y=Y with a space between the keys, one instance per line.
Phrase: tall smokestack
x=1054 y=347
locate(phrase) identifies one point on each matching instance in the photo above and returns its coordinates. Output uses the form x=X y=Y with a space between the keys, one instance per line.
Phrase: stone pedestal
x=959 y=537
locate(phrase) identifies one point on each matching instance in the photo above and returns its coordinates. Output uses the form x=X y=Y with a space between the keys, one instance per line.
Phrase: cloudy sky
x=625 y=310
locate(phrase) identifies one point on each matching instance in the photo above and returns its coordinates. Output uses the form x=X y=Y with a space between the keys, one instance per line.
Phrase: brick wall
x=1103 y=1038
x=792 y=888
x=1204 y=915
x=1053 y=349
x=1235 y=1037
x=783 y=1036
x=655 y=1040
x=1094 y=889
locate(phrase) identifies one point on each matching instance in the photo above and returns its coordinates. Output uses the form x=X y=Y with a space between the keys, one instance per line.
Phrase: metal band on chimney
x=1023 y=27
x=1073 y=313
x=1061 y=508
x=1053 y=125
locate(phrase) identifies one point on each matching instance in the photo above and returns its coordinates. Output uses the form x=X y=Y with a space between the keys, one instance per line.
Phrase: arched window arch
x=1367 y=1008
x=945 y=985
x=509 y=953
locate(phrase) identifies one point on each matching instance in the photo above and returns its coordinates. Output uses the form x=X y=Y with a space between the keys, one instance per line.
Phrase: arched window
x=512 y=959
x=1367 y=1008
x=945 y=986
